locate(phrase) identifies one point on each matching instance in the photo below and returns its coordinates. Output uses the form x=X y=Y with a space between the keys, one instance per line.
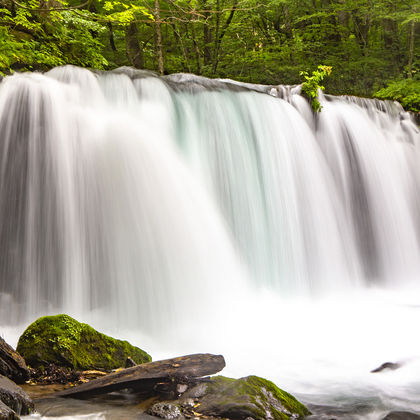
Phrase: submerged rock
x=12 y=364
x=387 y=366
x=65 y=342
x=14 y=398
x=165 y=410
x=401 y=415
x=250 y=397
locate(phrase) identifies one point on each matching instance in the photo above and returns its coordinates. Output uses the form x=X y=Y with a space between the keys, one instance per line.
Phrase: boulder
x=387 y=366
x=6 y=413
x=65 y=342
x=252 y=397
x=401 y=415
x=12 y=364
x=14 y=397
x=165 y=410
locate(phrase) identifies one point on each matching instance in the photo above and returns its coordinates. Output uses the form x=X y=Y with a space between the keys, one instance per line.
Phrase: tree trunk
x=158 y=37
x=196 y=49
x=185 y=64
x=411 y=50
x=134 y=52
x=111 y=37
x=219 y=38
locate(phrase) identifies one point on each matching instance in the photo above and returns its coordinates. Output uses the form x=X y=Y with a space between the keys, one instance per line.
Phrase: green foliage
x=249 y=40
x=66 y=342
x=35 y=40
x=123 y=13
x=406 y=92
x=313 y=85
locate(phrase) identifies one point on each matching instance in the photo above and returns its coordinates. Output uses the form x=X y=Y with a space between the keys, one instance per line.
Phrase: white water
x=192 y=215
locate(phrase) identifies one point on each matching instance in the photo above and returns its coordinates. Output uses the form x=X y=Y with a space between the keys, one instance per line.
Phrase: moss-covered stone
x=252 y=397
x=66 y=342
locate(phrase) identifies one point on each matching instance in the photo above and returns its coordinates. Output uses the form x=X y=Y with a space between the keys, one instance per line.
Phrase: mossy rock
x=65 y=342
x=252 y=396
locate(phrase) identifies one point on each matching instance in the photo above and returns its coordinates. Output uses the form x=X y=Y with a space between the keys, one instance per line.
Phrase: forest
x=372 y=45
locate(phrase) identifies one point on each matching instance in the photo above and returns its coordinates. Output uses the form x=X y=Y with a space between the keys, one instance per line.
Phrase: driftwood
x=162 y=376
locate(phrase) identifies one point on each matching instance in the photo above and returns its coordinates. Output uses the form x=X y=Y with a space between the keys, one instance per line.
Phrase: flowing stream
x=186 y=214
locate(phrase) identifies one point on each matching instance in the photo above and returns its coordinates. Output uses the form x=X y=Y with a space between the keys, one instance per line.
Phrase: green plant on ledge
x=405 y=91
x=313 y=84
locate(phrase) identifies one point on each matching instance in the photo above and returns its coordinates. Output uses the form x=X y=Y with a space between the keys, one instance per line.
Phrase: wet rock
x=165 y=410
x=6 y=413
x=196 y=392
x=14 y=397
x=181 y=388
x=385 y=366
x=252 y=397
x=187 y=403
x=401 y=415
x=65 y=342
x=12 y=364
x=129 y=363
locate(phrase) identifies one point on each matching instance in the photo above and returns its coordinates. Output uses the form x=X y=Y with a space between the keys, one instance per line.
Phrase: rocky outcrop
x=387 y=366
x=250 y=397
x=165 y=410
x=401 y=415
x=65 y=342
x=12 y=364
x=6 y=413
x=14 y=397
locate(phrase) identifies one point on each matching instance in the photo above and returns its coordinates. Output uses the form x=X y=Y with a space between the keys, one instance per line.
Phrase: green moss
x=66 y=342
x=255 y=383
x=253 y=396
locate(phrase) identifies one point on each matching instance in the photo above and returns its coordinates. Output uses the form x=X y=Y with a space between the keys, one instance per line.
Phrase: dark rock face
x=387 y=366
x=14 y=397
x=12 y=364
x=65 y=342
x=250 y=397
x=6 y=413
x=130 y=363
x=401 y=415
x=165 y=410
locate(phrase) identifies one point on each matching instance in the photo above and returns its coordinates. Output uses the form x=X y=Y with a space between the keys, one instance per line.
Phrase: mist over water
x=188 y=215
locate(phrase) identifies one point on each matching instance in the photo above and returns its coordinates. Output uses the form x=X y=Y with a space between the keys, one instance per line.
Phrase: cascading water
x=173 y=205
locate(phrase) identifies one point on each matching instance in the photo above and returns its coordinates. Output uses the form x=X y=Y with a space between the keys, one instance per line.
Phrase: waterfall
x=213 y=215
x=98 y=210
x=147 y=198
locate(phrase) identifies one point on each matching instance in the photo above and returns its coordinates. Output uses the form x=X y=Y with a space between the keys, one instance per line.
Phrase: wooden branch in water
x=146 y=376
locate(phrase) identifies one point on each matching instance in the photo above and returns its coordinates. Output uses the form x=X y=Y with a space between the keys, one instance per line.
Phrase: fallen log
x=147 y=376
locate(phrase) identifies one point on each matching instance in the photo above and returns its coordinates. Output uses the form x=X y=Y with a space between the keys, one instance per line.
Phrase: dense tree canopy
x=369 y=43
